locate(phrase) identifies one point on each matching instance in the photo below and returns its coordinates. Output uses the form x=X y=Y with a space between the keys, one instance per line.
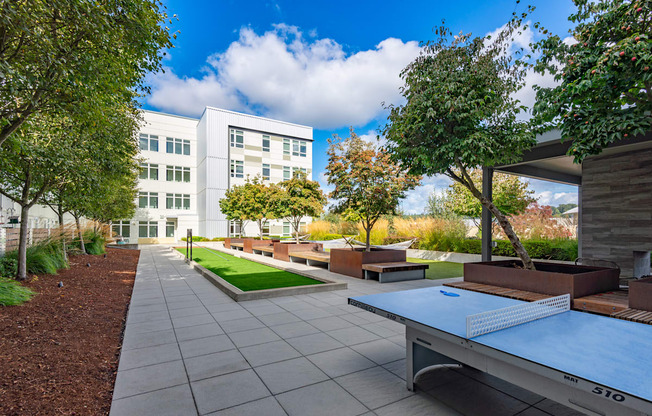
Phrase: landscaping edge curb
x=240 y=295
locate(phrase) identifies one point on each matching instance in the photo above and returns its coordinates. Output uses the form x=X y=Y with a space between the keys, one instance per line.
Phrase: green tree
x=260 y=202
x=511 y=195
x=460 y=113
x=76 y=56
x=300 y=198
x=605 y=90
x=367 y=183
x=30 y=161
x=438 y=205
x=233 y=206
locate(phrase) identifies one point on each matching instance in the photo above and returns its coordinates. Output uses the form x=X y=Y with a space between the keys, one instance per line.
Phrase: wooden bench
x=264 y=250
x=394 y=271
x=312 y=257
x=237 y=246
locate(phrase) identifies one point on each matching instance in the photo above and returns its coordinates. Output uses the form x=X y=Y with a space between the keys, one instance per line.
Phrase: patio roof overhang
x=548 y=160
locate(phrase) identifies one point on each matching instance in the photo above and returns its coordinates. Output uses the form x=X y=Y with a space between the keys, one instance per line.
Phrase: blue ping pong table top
x=607 y=351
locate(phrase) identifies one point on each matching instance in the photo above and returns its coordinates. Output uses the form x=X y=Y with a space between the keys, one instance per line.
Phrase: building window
x=296 y=169
x=177 y=201
x=286 y=228
x=177 y=146
x=287 y=175
x=237 y=138
x=148 y=200
x=286 y=147
x=169 y=228
x=149 y=171
x=148 y=142
x=186 y=147
x=265 y=143
x=237 y=169
x=121 y=228
x=177 y=174
x=298 y=148
x=266 y=229
x=266 y=172
x=147 y=229
x=234 y=228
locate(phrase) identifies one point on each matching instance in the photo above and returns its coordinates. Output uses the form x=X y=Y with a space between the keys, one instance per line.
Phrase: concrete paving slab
x=173 y=401
x=263 y=407
x=198 y=331
x=208 y=345
x=380 y=351
x=217 y=393
x=289 y=375
x=323 y=399
x=216 y=364
x=314 y=343
x=149 y=355
x=253 y=337
x=239 y=325
x=353 y=335
x=375 y=387
x=294 y=329
x=148 y=339
x=145 y=379
x=339 y=362
x=270 y=352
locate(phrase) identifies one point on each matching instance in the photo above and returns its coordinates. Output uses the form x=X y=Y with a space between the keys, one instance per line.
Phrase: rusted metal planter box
x=282 y=250
x=549 y=278
x=349 y=261
x=640 y=294
x=250 y=243
x=228 y=241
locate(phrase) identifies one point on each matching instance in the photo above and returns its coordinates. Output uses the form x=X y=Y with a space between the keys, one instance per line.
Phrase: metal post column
x=487 y=186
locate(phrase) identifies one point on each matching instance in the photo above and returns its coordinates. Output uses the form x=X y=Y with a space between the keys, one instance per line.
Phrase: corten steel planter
x=349 y=261
x=640 y=294
x=250 y=243
x=228 y=241
x=549 y=278
x=282 y=250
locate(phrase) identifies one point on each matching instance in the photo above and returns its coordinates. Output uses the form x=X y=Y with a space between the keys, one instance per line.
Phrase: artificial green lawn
x=440 y=269
x=244 y=274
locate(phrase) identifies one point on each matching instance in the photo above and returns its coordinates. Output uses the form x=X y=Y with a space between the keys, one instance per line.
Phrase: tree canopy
x=233 y=206
x=300 y=198
x=368 y=184
x=260 y=202
x=460 y=113
x=76 y=56
x=605 y=90
x=510 y=194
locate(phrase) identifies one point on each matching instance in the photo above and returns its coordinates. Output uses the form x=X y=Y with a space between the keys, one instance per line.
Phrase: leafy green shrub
x=13 y=293
x=94 y=242
x=8 y=266
x=217 y=239
x=45 y=257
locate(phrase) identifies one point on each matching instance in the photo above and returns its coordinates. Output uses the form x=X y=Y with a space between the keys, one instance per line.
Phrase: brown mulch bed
x=59 y=352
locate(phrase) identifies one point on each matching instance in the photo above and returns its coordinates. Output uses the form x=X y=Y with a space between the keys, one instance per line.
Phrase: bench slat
x=393 y=267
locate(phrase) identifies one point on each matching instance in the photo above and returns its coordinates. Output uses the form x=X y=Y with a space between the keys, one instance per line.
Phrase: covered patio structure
x=614 y=197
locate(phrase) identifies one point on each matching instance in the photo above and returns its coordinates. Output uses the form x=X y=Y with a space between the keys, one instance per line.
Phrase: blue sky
x=327 y=64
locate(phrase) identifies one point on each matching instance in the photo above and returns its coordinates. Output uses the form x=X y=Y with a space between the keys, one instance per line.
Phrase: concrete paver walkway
x=189 y=349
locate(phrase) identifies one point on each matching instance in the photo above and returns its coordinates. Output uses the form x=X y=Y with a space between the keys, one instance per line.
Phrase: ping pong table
x=594 y=364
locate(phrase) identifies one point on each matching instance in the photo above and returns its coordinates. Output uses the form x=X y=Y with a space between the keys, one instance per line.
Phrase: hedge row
x=564 y=250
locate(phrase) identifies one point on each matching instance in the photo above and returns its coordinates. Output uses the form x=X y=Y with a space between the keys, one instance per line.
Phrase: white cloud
x=416 y=200
x=281 y=74
x=556 y=198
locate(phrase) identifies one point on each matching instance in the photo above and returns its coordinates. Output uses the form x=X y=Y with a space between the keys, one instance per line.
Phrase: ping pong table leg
x=420 y=357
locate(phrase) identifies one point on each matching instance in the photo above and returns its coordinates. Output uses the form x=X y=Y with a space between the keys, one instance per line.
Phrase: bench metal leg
x=388 y=277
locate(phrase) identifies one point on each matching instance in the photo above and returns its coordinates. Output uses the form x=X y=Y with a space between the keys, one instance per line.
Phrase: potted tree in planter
x=460 y=114
x=368 y=185
x=299 y=197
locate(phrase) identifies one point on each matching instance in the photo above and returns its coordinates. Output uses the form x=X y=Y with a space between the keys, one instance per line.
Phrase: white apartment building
x=189 y=164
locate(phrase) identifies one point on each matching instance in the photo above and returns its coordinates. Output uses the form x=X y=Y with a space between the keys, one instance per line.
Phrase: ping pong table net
x=496 y=320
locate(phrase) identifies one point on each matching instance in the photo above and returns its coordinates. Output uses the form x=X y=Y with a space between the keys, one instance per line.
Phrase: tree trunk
x=22 y=243
x=295 y=225
x=368 y=242
x=81 y=235
x=62 y=231
x=504 y=223
x=260 y=228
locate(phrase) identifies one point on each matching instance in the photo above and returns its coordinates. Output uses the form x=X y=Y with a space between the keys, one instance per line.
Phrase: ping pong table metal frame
x=427 y=347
